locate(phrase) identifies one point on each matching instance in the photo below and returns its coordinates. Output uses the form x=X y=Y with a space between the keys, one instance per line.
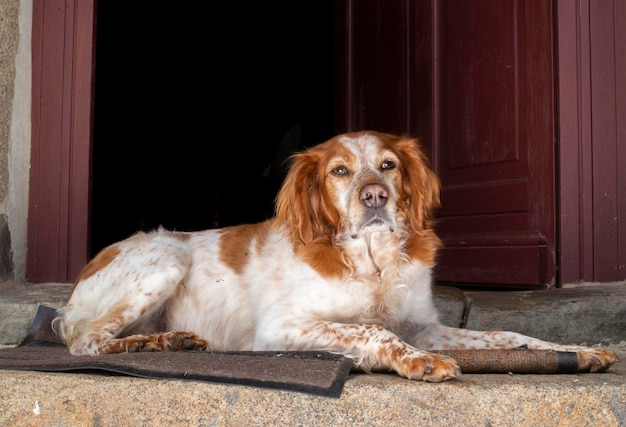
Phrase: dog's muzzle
x=374 y=198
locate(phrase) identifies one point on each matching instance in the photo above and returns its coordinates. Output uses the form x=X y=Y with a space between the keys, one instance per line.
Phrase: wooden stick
x=515 y=361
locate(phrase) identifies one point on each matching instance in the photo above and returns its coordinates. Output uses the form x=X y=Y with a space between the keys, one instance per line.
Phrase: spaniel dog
x=345 y=266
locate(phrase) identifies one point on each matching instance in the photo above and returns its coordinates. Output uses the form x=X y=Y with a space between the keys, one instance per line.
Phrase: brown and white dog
x=345 y=266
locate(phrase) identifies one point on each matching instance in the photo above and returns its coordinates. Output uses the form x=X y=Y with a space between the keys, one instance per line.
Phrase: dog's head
x=357 y=183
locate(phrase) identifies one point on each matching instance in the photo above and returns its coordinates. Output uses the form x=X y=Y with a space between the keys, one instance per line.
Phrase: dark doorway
x=191 y=109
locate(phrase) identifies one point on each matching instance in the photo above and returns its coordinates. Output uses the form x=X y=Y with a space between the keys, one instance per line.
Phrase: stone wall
x=15 y=93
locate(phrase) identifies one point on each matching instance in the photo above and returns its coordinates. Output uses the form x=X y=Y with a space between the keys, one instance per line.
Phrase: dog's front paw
x=595 y=359
x=186 y=341
x=429 y=367
x=167 y=341
x=172 y=341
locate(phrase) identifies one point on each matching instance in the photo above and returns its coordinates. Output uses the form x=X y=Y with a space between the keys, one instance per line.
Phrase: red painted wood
x=44 y=240
x=342 y=87
x=497 y=249
x=571 y=252
x=485 y=198
x=376 y=87
x=421 y=102
x=586 y=144
x=81 y=138
x=620 y=115
x=35 y=157
x=604 y=161
x=383 y=75
x=592 y=140
x=494 y=146
x=59 y=181
x=509 y=222
x=540 y=105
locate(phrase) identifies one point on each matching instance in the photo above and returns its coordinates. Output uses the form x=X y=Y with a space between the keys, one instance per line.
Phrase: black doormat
x=312 y=372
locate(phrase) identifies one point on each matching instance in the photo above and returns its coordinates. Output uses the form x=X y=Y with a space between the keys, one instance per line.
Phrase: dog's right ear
x=296 y=199
x=301 y=205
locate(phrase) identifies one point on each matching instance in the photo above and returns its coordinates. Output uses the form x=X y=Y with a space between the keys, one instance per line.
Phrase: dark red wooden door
x=58 y=217
x=475 y=81
x=495 y=150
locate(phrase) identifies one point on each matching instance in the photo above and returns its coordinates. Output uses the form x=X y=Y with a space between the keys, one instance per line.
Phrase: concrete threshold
x=585 y=314
x=55 y=399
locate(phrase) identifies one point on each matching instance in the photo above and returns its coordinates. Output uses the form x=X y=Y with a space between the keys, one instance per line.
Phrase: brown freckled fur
x=235 y=243
x=421 y=185
x=180 y=236
x=423 y=247
x=101 y=260
x=107 y=324
x=323 y=257
x=112 y=319
x=302 y=204
x=303 y=207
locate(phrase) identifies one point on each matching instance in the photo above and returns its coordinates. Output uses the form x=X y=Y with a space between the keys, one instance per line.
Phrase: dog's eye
x=339 y=171
x=388 y=164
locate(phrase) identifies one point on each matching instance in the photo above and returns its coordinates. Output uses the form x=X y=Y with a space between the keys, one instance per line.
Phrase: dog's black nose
x=373 y=195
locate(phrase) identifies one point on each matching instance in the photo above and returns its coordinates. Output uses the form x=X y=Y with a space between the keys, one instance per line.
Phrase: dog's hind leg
x=123 y=289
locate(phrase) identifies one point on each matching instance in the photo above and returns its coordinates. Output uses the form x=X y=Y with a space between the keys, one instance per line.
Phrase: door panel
x=479 y=90
x=495 y=95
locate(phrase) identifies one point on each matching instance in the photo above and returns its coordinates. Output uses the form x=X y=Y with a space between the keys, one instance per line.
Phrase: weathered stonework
x=15 y=94
x=6 y=255
x=9 y=34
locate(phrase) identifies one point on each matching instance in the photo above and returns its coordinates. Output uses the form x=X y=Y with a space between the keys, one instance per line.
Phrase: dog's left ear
x=422 y=187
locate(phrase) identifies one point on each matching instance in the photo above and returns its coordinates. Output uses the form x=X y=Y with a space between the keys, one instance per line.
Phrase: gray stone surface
x=591 y=314
x=55 y=399
x=9 y=36
x=19 y=305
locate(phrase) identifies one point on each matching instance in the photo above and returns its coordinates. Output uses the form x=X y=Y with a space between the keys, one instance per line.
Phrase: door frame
x=62 y=111
x=591 y=147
